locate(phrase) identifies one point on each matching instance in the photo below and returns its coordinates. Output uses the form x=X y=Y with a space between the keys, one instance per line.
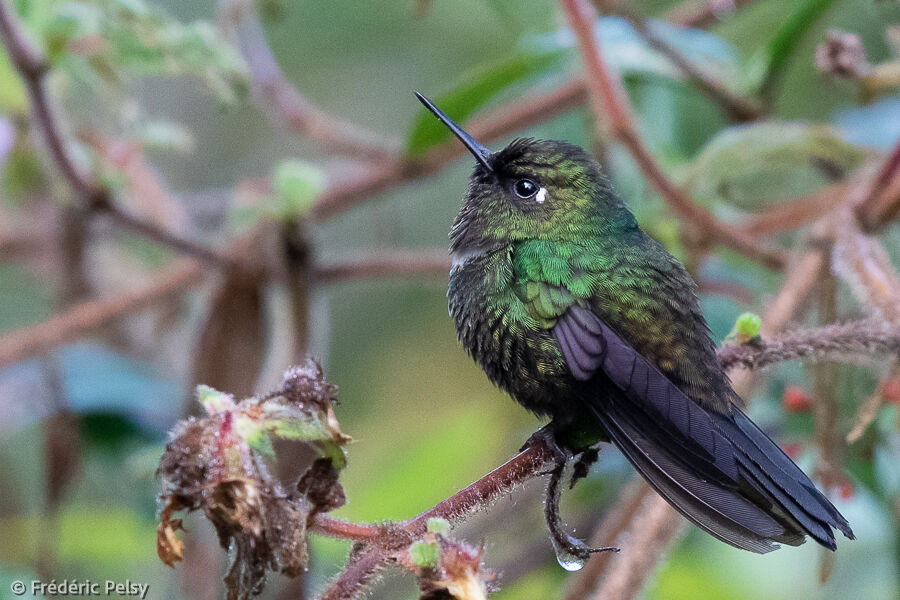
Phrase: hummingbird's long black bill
x=481 y=153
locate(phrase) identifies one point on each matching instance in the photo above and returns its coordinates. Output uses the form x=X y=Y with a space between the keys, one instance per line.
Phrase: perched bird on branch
x=580 y=316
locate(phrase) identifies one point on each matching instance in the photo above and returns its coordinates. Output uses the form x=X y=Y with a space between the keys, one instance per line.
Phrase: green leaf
x=768 y=63
x=628 y=53
x=141 y=39
x=476 y=90
x=752 y=166
x=424 y=554
x=213 y=400
x=12 y=93
x=254 y=433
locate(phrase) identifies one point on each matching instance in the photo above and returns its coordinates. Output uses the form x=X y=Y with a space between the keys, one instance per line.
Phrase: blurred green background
x=425 y=419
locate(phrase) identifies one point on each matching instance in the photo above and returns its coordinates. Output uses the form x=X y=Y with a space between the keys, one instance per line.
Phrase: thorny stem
x=336 y=528
x=385 y=264
x=356 y=575
x=610 y=106
x=828 y=342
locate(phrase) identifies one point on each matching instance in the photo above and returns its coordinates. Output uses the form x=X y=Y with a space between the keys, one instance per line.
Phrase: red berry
x=890 y=390
x=846 y=490
x=792 y=449
x=796 y=400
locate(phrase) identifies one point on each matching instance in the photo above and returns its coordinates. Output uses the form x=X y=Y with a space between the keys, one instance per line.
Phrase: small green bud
x=296 y=185
x=746 y=330
x=424 y=554
x=439 y=525
x=748 y=324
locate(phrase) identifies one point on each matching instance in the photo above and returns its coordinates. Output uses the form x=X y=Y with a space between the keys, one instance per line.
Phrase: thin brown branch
x=32 y=67
x=865 y=265
x=793 y=213
x=737 y=108
x=868 y=410
x=370 y=180
x=522 y=467
x=703 y=13
x=650 y=535
x=881 y=203
x=614 y=524
x=825 y=409
x=385 y=264
x=285 y=102
x=611 y=108
x=151 y=231
x=356 y=575
x=336 y=528
x=69 y=325
x=828 y=342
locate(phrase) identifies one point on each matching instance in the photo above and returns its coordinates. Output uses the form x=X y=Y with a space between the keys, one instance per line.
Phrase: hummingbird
x=580 y=316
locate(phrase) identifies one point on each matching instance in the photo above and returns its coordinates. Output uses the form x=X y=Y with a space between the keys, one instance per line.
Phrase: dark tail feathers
x=770 y=499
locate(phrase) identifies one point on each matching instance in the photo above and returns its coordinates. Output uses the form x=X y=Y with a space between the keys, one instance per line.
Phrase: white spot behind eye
x=541 y=196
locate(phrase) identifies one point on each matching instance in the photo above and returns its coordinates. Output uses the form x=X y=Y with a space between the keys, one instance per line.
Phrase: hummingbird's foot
x=565 y=545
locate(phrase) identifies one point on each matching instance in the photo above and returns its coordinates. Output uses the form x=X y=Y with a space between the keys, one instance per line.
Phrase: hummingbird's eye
x=525 y=188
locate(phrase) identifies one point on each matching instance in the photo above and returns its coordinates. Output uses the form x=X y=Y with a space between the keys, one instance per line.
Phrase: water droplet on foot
x=566 y=559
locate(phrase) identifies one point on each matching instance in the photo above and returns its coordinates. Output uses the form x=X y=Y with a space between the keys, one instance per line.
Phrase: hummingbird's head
x=532 y=189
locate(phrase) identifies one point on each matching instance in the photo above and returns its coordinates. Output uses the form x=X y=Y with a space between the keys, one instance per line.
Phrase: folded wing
x=718 y=469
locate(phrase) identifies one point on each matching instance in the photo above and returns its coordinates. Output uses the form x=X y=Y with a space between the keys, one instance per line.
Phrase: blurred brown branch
x=373 y=179
x=69 y=325
x=881 y=202
x=287 y=104
x=383 y=263
x=703 y=13
x=616 y=521
x=611 y=107
x=793 y=213
x=32 y=67
x=651 y=530
x=737 y=108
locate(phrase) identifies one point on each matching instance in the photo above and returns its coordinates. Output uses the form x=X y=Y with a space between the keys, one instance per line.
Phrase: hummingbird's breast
x=522 y=359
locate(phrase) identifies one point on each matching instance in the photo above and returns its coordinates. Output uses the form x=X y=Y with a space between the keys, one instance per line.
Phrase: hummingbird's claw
x=563 y=543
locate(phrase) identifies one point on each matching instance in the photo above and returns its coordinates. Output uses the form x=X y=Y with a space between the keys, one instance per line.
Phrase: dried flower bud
x=217 y=464
x=842 y=55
